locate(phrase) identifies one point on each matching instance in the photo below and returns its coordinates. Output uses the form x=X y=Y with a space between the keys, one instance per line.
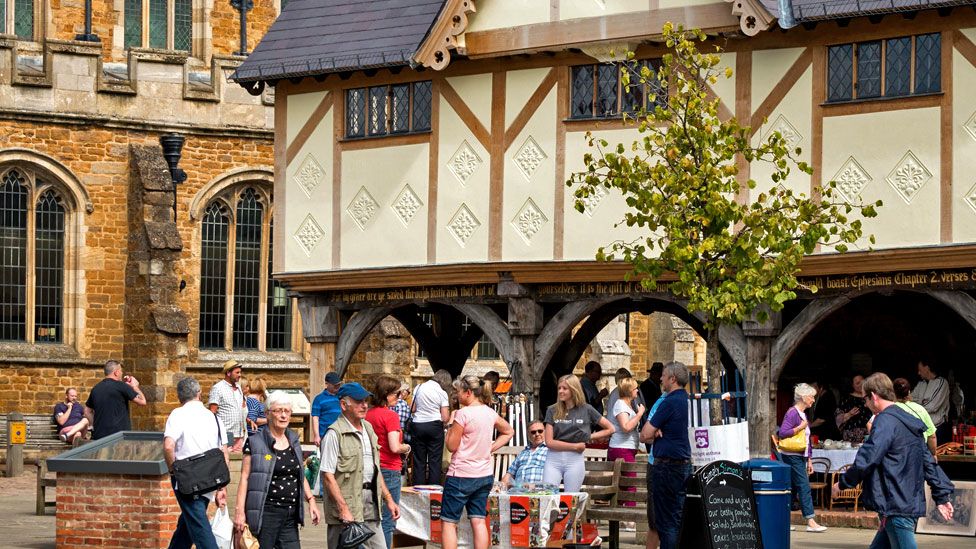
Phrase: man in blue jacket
x=894 y=464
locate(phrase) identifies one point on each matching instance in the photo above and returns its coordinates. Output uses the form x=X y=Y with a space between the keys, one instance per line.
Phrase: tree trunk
x=713 y=364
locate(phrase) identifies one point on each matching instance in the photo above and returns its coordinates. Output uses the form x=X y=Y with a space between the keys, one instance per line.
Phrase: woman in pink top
x=470 y=475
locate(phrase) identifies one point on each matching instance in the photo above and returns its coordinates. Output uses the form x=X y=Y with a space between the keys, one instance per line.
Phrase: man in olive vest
x=351 y=471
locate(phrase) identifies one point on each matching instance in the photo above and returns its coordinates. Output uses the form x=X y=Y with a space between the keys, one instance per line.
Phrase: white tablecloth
x=415 y=517
x=838 y=458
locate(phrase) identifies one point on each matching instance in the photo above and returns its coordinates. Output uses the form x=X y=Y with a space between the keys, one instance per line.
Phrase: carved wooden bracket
x=752 y=15
x=435 y=52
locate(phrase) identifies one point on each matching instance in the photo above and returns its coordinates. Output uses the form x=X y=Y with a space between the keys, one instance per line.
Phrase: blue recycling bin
x=771 y=484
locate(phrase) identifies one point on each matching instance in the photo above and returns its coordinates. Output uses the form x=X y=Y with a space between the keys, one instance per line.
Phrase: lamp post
x=243 y=6
x=172 y=144
x=88 y=35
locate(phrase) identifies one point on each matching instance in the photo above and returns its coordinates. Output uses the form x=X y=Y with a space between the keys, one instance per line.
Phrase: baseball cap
x=354 y=391
x=333 y=378
x=230 y=365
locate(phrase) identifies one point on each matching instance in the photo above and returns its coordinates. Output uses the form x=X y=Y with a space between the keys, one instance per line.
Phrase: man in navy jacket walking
x=894 y=464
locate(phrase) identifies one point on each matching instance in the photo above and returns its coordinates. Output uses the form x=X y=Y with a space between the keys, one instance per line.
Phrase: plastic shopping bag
x=223 y=528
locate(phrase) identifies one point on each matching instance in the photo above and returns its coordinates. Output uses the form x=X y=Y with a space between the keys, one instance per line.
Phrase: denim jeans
x=670 y=481
x=801 y=483
x=193 y=526
x=392 y=480
x=279 y=528
x=895 y=533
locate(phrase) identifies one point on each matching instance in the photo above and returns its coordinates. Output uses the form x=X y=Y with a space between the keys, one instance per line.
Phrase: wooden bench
x=503 y=458
x=42 y=433
x=43 y=483
x=617 y=511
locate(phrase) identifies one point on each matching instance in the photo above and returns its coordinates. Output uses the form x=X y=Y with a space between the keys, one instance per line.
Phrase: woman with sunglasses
x=569 y=424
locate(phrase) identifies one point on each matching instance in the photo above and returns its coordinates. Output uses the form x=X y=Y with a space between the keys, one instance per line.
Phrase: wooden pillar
x=320 y=327
x=759 y=343
x=524 y=324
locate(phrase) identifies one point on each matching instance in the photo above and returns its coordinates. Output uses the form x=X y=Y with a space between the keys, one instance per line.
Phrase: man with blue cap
x=325 y=407
x=351 y=471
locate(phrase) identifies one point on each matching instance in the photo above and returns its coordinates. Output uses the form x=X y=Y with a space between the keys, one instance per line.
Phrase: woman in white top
x=625 y=419
x=430 y=413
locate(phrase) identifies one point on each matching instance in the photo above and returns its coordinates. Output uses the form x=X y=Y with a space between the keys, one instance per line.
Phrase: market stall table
x=838 y=458
x=516 y=520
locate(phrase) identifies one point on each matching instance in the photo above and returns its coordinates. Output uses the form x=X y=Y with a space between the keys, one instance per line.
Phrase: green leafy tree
x=729 y=259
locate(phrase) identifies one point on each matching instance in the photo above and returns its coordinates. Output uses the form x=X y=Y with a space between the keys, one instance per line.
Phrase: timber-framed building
x=422 y=150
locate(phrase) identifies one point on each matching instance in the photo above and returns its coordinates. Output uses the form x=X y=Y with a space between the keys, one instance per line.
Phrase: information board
x=720 y=512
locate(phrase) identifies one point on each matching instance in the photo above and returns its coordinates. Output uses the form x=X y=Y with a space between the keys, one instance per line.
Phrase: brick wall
x=96 y=510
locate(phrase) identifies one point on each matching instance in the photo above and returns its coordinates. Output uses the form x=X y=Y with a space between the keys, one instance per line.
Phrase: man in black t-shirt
x=109 y=400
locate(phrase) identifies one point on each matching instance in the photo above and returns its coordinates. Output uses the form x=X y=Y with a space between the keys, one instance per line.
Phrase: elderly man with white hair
x=191 y=430
x=273 y=491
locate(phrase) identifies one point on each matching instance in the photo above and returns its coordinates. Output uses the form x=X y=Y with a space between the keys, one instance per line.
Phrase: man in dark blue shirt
x=325 y=407
x=672 y=454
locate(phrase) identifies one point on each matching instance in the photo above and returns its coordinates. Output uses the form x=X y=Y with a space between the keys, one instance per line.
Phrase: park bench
x=617 y=511
x=43 y=483
x=42 y=433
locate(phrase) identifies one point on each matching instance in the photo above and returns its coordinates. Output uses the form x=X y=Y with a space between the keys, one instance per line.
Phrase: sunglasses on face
x=539 y=432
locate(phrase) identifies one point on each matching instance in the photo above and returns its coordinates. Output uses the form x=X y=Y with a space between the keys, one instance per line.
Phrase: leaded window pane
x=840 y=67
x=632 y=95
x=657 y=91
x=400 y=109
x=278 y=336
x=48 y=269
x=158 y=17
x=133 y=23
x=3 y=17
x=582 y=93
x=182 y=25
x=247 y=270
x=24 y=19
x=421 y=106
x=356 y=112
x=213 y=277
x=606 y=90
x=487 y=349
x=928 y=63
x=898 y=67
x=377 y=110
x=868 y=70
x=13 y=257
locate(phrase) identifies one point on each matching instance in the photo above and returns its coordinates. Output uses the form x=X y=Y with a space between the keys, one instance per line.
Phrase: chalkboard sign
x=720 y=511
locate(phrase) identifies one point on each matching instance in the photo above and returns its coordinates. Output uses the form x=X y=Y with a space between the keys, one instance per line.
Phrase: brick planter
x=105 y=510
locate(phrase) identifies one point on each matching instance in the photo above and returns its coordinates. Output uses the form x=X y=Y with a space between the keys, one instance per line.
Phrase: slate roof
x=822 y=10
x=314 y=37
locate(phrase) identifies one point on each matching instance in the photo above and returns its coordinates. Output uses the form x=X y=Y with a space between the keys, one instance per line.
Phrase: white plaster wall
x=452 y=193
x=879 y=150
x=964 y=150
x=572 y=9
x=584 y=233
x=662 y=4
x=724 y=87
x=385 y=238
x=519 y=86
x=768 y=68
x=309 y=211
x=794 y=110
x=300 y=108
x=509 y=13
x=475 y=90
x=523 y=185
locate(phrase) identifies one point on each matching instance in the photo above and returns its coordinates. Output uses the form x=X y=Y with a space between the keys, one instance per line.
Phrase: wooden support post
x=759 y=344
x=16 y=439
x=320 y=327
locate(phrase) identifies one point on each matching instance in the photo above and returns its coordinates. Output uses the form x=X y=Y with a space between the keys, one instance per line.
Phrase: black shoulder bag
x=202 y=473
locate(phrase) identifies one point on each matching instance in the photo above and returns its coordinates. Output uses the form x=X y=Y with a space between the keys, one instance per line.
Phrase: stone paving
x=21 y=529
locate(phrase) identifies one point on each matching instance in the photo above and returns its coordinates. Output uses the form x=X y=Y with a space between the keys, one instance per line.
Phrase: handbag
x=245 y=539
x=796 y=443
x=202 y=473
x=353 y=535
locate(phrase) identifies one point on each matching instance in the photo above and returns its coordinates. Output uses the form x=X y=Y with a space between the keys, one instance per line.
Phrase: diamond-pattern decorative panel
x=971 y=198
x=463 y=224
x=309 y=234
x=529 y=158
x=406 y=205
x=971 y=125
x=787 y=130
x=909 y=176
x=362 y=208
x=309 y=175
x=464 y=162
x=529 y=220
x=851 y=180
x=592 y=202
